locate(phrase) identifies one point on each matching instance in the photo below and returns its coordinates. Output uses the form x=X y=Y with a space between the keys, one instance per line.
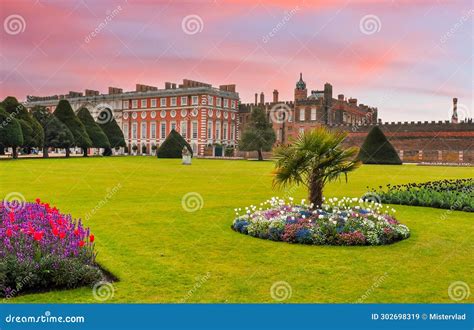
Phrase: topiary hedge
x=376 y=149
x=173 y=146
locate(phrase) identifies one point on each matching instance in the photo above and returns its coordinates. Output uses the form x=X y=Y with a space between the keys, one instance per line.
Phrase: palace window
x=134 y=104
x=134 y=130
x=173 y=126
x=224 y=131
x=126 y=104
x=226 y=103
x=163 y=130
x=195 y=100
x=218 y=130
x=218 y=101
x=153 y=103
x=232 y=131
x=143 y=103
x=210 y=100
x=143 y=130
x=153 y=130
x=125 y=131
x=163 y=102
x=184 y=100
x=173 y=101
x=233 y=104
x=184 y=129
x=209 y=129
x=313 y=113
x=302 y=114
x=195 y=129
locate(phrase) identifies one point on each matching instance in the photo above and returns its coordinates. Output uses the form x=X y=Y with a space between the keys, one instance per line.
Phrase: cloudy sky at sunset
x=408 y=58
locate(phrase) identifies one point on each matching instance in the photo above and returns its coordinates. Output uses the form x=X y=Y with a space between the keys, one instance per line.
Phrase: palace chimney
x=454 y=117
x=262 y=98
x=275 y=96
x=256 y=98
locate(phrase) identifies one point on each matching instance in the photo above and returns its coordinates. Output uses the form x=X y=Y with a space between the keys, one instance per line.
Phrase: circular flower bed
x=346 y=221
x=41 y=248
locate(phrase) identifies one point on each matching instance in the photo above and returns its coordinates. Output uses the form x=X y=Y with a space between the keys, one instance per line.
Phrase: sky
x=407 y=58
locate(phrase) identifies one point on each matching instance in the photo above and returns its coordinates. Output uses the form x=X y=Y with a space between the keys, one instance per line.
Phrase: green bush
x=376 y=149
x=173 y=146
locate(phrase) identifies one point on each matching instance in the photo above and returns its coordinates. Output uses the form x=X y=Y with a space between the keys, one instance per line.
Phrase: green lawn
x=162 y=253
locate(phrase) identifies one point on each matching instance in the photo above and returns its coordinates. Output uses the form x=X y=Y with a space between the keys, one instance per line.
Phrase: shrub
x=96 y=134
x=44 y=249
x=144 y=149
x=376 y=149
x=173 y=146
x=339 y=222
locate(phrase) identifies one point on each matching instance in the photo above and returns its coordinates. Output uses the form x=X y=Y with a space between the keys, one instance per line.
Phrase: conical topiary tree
x=96 y=134
x=173 y=146
x=32 y=131
x=114 y=134
x=65 y=114
x=376 y=149
x=11 y=134
x=56 y=133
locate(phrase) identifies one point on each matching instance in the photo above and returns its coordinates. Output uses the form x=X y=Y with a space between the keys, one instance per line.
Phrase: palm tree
x=314 y=158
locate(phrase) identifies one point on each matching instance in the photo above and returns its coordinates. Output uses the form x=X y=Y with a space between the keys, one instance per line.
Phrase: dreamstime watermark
x=11 y=117
x=281 y=291
x=462 y=111
x=14 y=201
x=452 y=31
x=14 y=24
x=10 y=293
x=103 y=291
x=196 y=287
x=108 y=196
x=192 y=24
x=372 y=288
x=370 y=24
x=371 y=197
x=192 y=202
x=459 y=290
x=280 y=113
x=44 y=318
x=105 y=115
x=108 y=18
x=281 y=24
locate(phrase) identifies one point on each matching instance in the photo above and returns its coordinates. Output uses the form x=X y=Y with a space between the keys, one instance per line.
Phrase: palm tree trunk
x=45 y=152
x=14 y=153
x=316 y=190
x=260 y=155
x=68 y=152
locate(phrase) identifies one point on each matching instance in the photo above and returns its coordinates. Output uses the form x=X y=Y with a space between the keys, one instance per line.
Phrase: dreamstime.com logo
x=14 y=202
x=280 y=113
x=14 y=24
x=105 y=114
x=370 y=24
x=103 y=291
x=459 y=290
x=192 y=202
x=281 y=291
x=47 y=317
x=192 y=24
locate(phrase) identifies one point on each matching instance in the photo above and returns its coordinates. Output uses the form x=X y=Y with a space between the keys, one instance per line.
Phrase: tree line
x=39 y=128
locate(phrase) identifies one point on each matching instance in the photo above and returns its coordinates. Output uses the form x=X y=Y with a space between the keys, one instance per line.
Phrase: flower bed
x=444 y=194
x=43 y=249
x=339 y=222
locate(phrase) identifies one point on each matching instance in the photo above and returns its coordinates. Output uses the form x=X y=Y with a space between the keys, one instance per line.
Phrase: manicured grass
x=160 y=251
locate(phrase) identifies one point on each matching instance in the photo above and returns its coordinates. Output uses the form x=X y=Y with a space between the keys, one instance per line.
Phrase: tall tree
x=65 y=114
x=56 y=133
x=32 y=131
x=313 y=159
x=114 y=134
x=10 y=132
x=259 y=135
x=97 y=135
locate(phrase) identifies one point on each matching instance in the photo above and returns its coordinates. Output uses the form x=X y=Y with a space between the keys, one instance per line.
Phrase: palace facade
x=206 y=116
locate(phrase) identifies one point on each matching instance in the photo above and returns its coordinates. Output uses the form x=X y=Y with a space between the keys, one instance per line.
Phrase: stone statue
x=186 y=156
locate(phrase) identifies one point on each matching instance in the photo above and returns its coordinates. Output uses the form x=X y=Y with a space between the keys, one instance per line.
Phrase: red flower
x=11 y=215
x=38 y=201
x=81 y=243
x=62 y=235
x=55 y=231
x=91 y=238
x=9 y=232
x=76 y=232
x=38 y=235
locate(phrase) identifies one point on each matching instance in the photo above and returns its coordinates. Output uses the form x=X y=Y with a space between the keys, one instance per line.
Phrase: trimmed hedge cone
x=173 y=146
x=376 y=149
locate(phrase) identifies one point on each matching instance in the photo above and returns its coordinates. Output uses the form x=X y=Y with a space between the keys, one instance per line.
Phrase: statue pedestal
x=186 y=160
